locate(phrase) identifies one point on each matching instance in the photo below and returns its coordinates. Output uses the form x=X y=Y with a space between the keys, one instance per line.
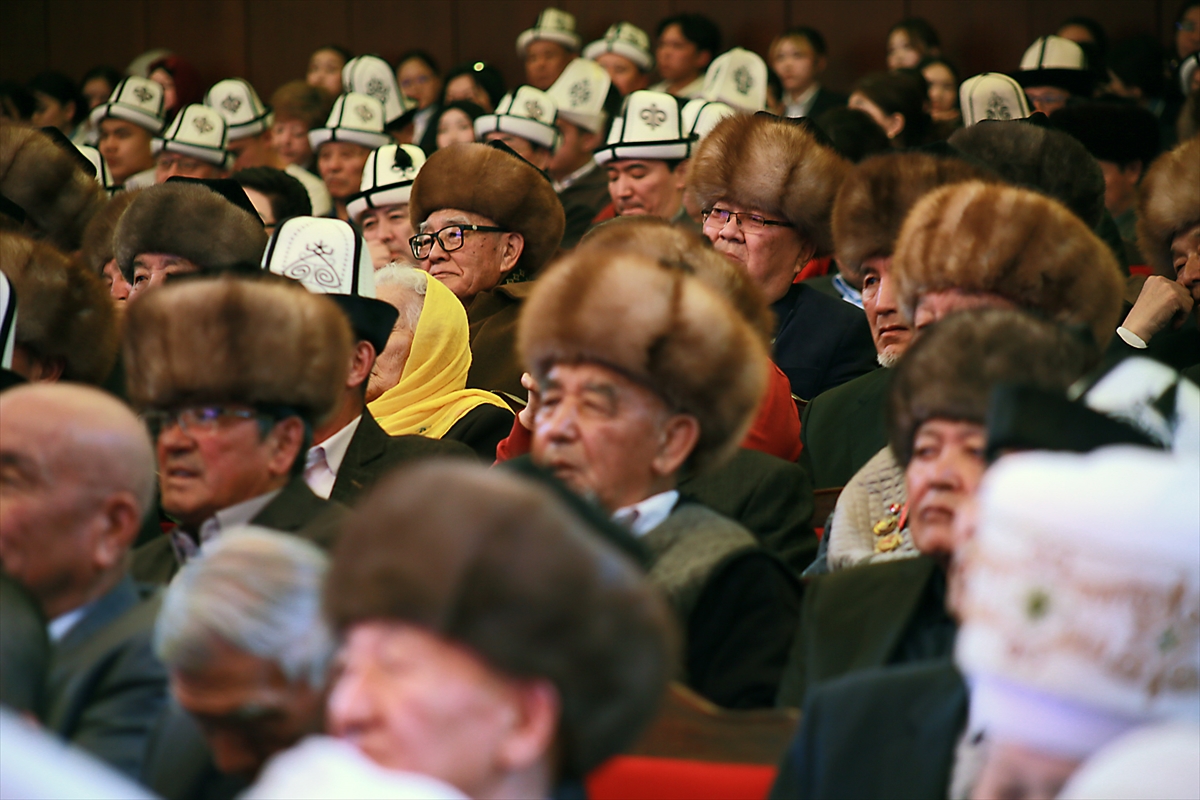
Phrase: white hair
x=414 y=281
x=256 y=590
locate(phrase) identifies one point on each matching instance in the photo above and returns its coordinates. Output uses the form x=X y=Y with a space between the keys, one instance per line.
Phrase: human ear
x=677 y=439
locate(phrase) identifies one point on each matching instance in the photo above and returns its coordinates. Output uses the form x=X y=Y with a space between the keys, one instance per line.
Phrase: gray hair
x=256 y=590
x=414 y=281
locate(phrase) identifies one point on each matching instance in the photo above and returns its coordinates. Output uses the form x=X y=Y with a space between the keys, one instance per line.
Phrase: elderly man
x=766 y=190
x=486 y=217
x=548 y=47
x=355 y=127
x=193 y=146
x=380 y=209
x=133 y=115
x=644 y=371
x=232 y=376
x=78 y=474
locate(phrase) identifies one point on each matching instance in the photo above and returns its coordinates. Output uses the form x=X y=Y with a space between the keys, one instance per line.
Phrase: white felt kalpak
x=199 y=132
x=355 y=118
x=624 y=39
x=700 y=116
x=1054 y=52
x=245 y=113
x=1136 y=391
x=992 y=95
x=580 y=92
x=136 y=100
x=553 y=25
x=327 y=255
x=371 y=75
x=737 y=78
x=103 y=174
x=387 y=178
x=649 y=128
x=8 y=321
x=528 y=113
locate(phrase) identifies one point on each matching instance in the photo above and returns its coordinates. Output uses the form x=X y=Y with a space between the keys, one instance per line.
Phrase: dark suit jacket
x=820 y=342
x=372 y=453
x=1177 y=348
x=493 y=316
x=842 y=429
x=768 y=496
x=868 y=616
x=294 y=510
x=481 y=429
x=888 y=732
x=105 y=688
x=24 y=649
x=826 y=100
x=179 y=764
x=582 y=201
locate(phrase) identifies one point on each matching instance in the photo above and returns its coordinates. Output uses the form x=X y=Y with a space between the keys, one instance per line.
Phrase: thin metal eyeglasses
x=450 y=238
x=193 y=419
x=753 y=223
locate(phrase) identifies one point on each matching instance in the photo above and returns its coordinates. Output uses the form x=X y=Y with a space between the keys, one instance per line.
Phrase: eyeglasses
x=193 y=419
x=750 y=223
x=450 y=238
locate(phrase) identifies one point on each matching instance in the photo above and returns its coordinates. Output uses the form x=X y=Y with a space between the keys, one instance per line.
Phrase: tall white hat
x=198 y=132
x=624 y=39
x=992 y=95
x=737 y=78
x=526 y=112
x=136 y=100
x=700 y=116
x=1153 y=398
x=580 y=93
x=371 y=75
x=553 y=25
x=103 y=174
x=650 y=126
x=387 y=178
x=355 y=118
x=244 y=112
x=8 y=321
x=1055 y=61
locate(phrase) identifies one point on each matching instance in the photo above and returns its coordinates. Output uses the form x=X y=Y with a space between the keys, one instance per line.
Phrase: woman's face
x=418 y=81
x=464 y=87
x=1187 y=35
x=167 y=81
x=96 y=90
x=50 y=113
x=943 y=90
x=796 y=64
x=325 y=71
x=902 y=51
x=289 y=137
x=454 y=126
x=942 y=477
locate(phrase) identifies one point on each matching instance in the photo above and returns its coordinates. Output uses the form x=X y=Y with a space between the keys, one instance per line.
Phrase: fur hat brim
x=1168 y=204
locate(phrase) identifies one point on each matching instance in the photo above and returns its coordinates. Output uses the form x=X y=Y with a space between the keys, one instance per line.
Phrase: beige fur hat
x=499 y=185
x=1168 y=203
x=63 y=312
x=659 y=327
x=1015 y=243
x=97 y=244
x=773 y=166
x=48 y=183
x=238 y=340
x=878 y=194
x=190 y=221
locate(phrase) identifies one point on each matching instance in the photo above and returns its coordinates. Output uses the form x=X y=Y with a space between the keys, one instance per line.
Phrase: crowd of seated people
x=403 y=433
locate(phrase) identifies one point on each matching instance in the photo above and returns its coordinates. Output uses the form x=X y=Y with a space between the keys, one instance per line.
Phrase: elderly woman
x=419 y=382
x=766 y=190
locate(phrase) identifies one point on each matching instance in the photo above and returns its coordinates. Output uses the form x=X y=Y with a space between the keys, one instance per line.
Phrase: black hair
x=904 y=92
x=1099 y=44
x=1184 y=7
x=919 y=32
x=421 y=56
x=1138 y=61
x=337 y=48
x=288 y=196
x=16 y=102
x=945 y=62
x=111 y=75
x=485 y=75
x=811 y=35
x=697 y=29
x=61 y=88
x=852 y=133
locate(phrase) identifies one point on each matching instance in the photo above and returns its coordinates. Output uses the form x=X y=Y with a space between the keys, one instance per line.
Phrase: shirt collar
x=239 y=514
x=335 y=446
x=647 y=515
x=849 y=293
x=61 y=625
x=800 y=106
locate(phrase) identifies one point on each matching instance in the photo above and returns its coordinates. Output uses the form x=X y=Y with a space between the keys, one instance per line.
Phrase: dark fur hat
x=658 y=326
x=878 y=194
x=769 y=164
x=237 y=340
x=1168 y=204
x=58 y=197
x=1011 y=242
x=97 y=245
x=510 y=572
x=63 y=311
x=190 y=221
x=952 y=368
x=1049 y=161
x=499 y=185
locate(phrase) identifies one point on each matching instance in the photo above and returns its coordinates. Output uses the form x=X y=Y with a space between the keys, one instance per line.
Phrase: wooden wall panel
x=593 y=18
x=94 y=32
x=209 y=33
x=856 y=34
x=981 y=36
x=24 y=40
x=1120 y=18
x=283 y=33
x=390 y=29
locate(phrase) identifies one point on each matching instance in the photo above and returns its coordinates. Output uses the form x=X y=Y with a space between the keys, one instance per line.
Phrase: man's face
x=600 y=433
x=325 y=71
x=771 y=256
x=478 y=266
x=891 y=333
x=95 y=92
x=1120 y=185
x=1047 y=99
x=125 y=147
x=151 y=270
x=390 y=226
x=678 y=60
x=796 y=64
x=168 y=165
x=411 y=700
x=933 y=306
x=648 y=186
x=544 y=62
x=534 y=154
x=625 y=74
x=289 y=137
x=252 y=151
x=942 y=477
x=246 y=708
x=118 y=287
x=419 y=82
x=1185 y=255
x=341 y=166
x=575 y=147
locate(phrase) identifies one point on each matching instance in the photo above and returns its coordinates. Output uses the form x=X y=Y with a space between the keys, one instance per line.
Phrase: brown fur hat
x=190 y=221
x=878 y=194
x=659 y=327
x=237 y=340
x=58 y=197
x=1018 y=244
x=1049 y=161
x=499 y=185
x=675 y=246
x=510 y=572
x=97 y=245
x=1168 y=204
x=63 y=311
x=952 y=368
x=775 y=166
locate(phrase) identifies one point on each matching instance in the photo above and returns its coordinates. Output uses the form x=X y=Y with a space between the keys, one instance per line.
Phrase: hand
x=1160 y=302
x=535 y=397
x=380 y=255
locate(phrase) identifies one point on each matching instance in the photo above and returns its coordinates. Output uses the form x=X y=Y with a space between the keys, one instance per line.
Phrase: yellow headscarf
x=431 y=395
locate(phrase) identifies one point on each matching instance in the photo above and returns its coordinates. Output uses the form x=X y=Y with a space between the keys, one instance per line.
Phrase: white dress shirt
x=325 y=459
x=800 y=106
x=641 y=518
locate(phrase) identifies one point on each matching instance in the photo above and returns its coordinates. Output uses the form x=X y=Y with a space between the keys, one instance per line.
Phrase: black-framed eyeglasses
x=193 y=419
x=450 y=238
x=755 y=223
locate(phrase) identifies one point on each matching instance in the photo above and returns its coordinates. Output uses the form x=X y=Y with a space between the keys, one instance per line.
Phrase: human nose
x=558 y=422
x=348 y=706
x=1189 y=276
x=885 y=296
